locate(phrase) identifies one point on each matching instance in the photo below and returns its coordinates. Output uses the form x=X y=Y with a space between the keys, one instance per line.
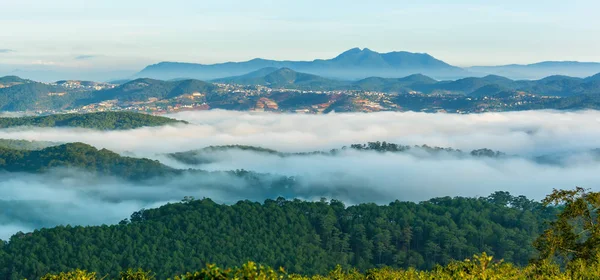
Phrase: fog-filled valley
x=291 y=156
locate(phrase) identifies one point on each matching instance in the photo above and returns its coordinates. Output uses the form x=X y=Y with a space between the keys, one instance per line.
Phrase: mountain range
x=353 y=64
x=18 y=94
x=350 y=65
x=359 y=63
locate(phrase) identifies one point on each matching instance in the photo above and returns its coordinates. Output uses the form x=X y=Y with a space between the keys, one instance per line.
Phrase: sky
x=116 y=35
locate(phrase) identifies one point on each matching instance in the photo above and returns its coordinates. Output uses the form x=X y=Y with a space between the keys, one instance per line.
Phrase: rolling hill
x=7 y=81
x=80 y=156
x=142 y=89
x=285 y=78
x=29 y=95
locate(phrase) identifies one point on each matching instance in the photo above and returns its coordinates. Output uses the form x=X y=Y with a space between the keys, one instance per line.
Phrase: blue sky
x=129 y=34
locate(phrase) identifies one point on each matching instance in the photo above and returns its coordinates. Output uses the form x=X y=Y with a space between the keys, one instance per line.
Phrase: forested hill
x=143 y=89
x=83 y=157
x=209 y=154
x=100 y=120
x=303 y=237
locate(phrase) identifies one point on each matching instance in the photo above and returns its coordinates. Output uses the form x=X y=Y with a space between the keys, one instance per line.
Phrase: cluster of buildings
x=262 y=98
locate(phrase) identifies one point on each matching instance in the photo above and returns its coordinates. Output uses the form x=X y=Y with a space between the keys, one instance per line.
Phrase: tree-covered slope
x=37 y=96
x=7 y=81
x=83 y=157
x=303 y=237
x=100 y=120
x=285 y=78
x=143 y=89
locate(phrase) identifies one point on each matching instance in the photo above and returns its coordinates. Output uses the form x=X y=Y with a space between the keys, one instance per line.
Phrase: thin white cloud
x=86 y=57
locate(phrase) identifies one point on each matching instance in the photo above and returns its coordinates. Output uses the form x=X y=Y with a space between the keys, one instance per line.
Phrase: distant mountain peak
x=355 y=63
x=351 y=51
x=355 y=53
x=284 y=69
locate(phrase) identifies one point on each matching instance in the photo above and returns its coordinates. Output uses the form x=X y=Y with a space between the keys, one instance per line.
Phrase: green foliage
x=248 y=271
x=80 y=156
x=138 y=274
x=304 y=237
x=480 y=267
x=575 y=235
x=100 y=120
x=71 y=275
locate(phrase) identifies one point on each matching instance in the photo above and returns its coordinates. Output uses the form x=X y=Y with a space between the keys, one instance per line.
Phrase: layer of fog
x=367 y=176
x=60 y=197
x=31 y=201
x=531 y=132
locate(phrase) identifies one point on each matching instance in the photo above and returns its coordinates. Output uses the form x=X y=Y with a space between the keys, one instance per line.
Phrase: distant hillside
x=142 y=89
x=247 y=78
x=100 y=120
x=393 y=84
x=352 y=64
x=285 y=78
x=24 y=95
x=156 y=95
x=472 y=86
x=594 y=78
x=541 y=69
x=7 y=81
x=81 y=156
x=25 y=144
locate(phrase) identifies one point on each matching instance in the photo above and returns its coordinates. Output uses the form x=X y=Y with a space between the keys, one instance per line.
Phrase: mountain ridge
x=352 y=64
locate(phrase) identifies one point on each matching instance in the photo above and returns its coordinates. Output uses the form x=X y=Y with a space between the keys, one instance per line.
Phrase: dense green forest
x=304 y=237
x=80 y=156
x=100 y=120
